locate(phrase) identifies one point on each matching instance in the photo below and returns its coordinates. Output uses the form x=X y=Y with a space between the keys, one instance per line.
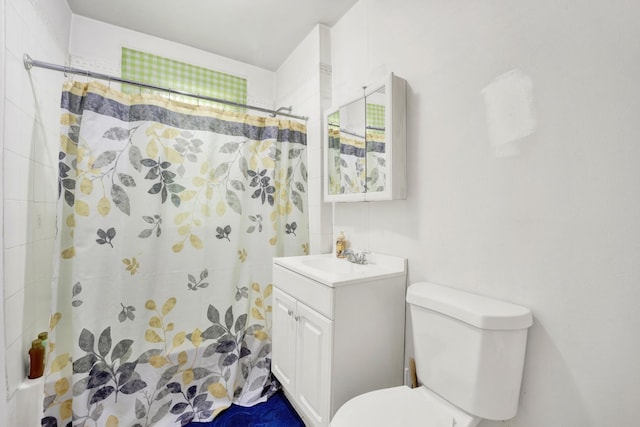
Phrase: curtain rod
x=29 y=63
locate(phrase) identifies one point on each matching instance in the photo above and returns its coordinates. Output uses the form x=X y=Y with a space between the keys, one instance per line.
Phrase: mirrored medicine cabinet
x=365 y=145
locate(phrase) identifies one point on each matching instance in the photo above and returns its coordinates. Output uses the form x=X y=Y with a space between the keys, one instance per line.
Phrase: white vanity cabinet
x=337 y=330
x=302 y=340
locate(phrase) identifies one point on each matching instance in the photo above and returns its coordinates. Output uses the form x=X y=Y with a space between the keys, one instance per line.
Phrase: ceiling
x=258 y=32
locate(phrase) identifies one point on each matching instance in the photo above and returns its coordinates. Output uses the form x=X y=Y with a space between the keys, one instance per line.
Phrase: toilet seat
x=400 y=406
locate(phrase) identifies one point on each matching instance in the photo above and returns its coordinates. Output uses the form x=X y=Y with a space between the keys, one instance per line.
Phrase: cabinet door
x=283 y=338
x=313 y=364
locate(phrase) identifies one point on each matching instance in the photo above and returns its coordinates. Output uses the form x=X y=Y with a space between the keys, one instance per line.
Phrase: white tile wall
x=302 y=83
x=15 y=73
x=15 y=216
x=18 y=168
x=3 y=379
x=30 y=111
x=17 y=135
x=13 y=29
x=15 y=266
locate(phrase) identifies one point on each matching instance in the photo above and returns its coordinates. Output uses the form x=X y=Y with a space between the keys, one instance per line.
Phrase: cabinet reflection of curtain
x=333 y=160
x=376 y=161
x=376 y=157
x=169 y=216
x=352 y=163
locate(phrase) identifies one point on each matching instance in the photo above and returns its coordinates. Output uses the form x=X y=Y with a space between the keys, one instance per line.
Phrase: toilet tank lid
x=477 y=310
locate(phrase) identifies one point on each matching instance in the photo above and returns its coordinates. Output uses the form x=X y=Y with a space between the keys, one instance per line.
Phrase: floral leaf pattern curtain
x=376 y=161
x=169 y=216
x=352 y=163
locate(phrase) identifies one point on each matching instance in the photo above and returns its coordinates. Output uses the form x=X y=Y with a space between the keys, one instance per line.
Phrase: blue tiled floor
x=275 y=412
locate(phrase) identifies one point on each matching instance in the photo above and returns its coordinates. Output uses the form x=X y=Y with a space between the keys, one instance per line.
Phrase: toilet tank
x=469 y=349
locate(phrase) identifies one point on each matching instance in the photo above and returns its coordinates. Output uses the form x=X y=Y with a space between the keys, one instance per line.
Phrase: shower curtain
x=168 y=217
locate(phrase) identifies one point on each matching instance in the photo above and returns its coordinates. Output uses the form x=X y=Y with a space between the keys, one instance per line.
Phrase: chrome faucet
x=356 y=257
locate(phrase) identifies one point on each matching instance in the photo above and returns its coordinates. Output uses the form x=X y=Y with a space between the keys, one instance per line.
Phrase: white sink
x=336 y=265
x=332 y=271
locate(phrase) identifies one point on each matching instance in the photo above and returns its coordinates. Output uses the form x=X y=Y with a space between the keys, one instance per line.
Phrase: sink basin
x=336 y=265
x=334 y=271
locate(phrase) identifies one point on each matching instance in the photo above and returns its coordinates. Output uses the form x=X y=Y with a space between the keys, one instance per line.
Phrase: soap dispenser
x=341 y=245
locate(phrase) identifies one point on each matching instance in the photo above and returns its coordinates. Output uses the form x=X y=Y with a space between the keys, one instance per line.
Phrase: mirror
x=333 y=163
x=365 y=146
x=347 y=149
x=375 y=138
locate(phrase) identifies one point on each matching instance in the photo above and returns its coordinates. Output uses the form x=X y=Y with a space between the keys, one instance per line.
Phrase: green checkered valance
x=159 y=71
x=375 y=115
x=334 y=119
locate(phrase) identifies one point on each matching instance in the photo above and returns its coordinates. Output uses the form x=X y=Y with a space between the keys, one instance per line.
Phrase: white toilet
x=469 y=353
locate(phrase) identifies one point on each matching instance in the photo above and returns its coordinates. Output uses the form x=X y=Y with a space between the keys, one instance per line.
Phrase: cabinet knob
x=297 y=318
x=290 y=312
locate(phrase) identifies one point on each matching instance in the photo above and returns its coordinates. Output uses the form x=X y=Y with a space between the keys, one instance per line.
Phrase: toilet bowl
x=401 y=406
x=469 y=353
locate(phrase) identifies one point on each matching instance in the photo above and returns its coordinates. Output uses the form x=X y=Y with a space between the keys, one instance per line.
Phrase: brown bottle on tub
x=36 y=359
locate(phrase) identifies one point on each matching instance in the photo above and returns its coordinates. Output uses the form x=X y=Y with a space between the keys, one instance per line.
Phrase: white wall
x=304 y=82
x=30 y=138
x=3 y=371
x=554 y=225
